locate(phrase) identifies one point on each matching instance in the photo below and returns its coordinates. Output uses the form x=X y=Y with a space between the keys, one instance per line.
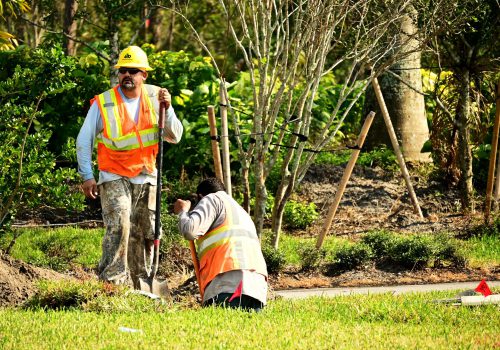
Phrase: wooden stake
x=496 y=194
x=215 y=143
x=345 y=178
x=493 y=157
x=395 y=145
x=225 y=138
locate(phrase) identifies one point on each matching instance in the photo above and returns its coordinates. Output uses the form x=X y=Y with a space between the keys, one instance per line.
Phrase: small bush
x=448 y=250
x=351 y=257
x=170 y=229
x=275 y=259
x=299 y=215
x=382 y=157
x=311 y=257
x=415 y=251
x=380 y=242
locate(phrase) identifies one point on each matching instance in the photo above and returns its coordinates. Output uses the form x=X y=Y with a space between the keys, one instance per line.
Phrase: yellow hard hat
x=133 y=57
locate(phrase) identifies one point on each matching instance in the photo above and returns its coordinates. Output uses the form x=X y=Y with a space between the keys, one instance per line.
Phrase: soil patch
x=18 y=280
x=377 y=199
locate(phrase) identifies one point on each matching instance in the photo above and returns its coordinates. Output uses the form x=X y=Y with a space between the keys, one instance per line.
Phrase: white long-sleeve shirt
x=209 y=213
x=92 y=126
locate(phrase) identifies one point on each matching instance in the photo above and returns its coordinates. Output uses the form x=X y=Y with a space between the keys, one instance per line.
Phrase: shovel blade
x=155 y=286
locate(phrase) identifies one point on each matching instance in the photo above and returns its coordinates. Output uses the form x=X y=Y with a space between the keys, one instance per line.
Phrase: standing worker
x=232 y=272
x=124 y=122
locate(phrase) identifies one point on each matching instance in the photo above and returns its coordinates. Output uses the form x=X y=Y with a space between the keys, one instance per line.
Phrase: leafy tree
x=193 y=86
x=30 y=177
x=472 y=54
x=10 y=8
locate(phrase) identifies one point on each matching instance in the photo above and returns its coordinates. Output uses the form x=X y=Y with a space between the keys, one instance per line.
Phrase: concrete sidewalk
x=400 y=289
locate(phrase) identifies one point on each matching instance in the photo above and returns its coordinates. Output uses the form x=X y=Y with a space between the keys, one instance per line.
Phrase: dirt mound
x=18 y=280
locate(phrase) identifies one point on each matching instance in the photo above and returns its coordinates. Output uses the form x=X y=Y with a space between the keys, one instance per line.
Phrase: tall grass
x=484 y=250
x=57 y=248
x=351 y=322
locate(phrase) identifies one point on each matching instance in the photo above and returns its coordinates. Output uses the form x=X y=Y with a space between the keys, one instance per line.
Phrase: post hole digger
x=151 y=284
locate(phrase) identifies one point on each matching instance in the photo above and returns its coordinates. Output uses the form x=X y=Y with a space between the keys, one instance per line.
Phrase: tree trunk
x=278 y=210
x=464 y=150
x=115 y=50
x=70 y=26
x=405 y=105
x=260 y=194
x=245 y=179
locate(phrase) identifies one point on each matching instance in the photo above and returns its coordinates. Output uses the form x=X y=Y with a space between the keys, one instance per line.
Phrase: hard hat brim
x=133 y=65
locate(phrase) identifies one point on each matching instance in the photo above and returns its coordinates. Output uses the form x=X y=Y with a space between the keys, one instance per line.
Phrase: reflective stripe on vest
x=230 y=246
x=222 y=233
x=148 y=137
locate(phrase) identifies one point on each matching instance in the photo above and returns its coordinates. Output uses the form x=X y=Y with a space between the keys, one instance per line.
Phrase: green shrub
x=299 y=215
x=311 y=257
x=333 y=158
x=381 y=156
x=42 y=94
x=414 y=251
x=275 y=259
x=351 y=256
x=448 y=251
x=380 y=242
x=171 y=233
x=193 y=85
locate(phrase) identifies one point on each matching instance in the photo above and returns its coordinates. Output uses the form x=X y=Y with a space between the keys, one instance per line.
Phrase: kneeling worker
x=233 y=271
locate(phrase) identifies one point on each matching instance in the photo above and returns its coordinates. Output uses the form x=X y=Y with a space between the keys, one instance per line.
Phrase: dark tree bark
x=70 y=26
x=464 y=149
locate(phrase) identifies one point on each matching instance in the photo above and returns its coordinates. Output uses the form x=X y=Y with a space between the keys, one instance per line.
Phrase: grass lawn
x=410 y=321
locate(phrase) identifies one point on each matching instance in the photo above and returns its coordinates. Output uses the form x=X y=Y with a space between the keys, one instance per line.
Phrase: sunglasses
x=130 y=71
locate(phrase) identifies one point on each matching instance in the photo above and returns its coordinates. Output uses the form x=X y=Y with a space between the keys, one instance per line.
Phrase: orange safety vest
x=124 y=147
x=230 y=246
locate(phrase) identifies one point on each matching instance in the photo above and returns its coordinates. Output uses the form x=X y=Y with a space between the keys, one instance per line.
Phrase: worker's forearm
x=173 y=127
x=85 y=143
x=198 y=221
x=189 y=226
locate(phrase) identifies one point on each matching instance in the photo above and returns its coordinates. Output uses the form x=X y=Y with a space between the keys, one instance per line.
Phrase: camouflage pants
x=128 y=212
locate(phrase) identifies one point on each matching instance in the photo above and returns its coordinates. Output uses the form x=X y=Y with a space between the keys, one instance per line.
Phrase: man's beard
x=127 y=84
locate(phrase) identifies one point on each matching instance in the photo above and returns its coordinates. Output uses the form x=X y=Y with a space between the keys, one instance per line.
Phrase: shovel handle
x=159 y=166
x=196 y=264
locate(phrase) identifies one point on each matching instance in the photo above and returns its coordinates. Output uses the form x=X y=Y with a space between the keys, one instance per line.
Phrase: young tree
x=288 y=48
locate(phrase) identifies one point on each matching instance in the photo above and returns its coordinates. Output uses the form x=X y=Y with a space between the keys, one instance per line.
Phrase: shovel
x=151 y=284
